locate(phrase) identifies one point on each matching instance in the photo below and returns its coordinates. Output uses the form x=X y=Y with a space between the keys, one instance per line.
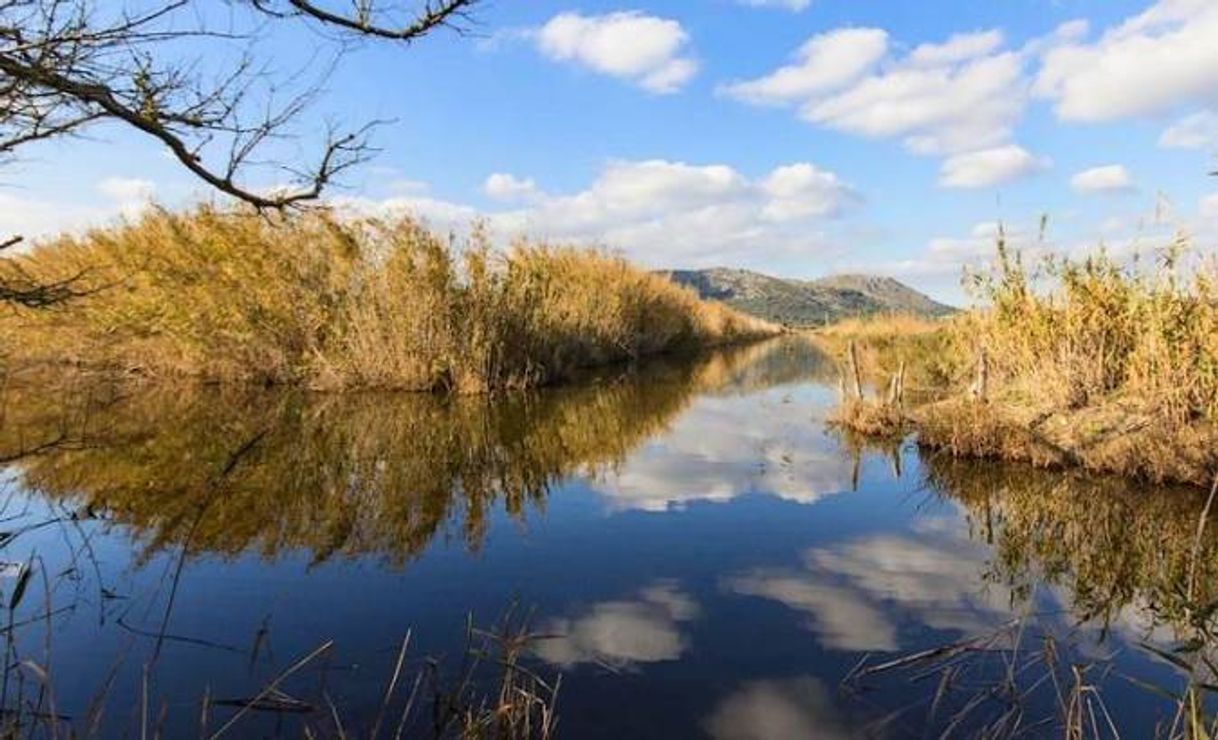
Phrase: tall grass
x=1103 y=330
x=1096 y=362
x=314 y=299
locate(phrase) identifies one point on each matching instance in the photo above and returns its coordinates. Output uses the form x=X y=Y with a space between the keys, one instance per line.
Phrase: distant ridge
x=806 y=302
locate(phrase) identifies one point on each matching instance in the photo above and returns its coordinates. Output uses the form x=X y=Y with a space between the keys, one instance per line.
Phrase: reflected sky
x=716 y=452
x=700 y=556
x=857 y=593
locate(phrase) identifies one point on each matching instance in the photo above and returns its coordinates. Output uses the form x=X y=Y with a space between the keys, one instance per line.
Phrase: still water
x=694 y=551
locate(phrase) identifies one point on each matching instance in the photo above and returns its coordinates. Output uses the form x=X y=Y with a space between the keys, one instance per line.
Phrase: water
x=698 y=553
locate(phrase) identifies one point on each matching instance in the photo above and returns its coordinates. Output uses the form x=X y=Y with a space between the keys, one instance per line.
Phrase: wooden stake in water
x=854 y=369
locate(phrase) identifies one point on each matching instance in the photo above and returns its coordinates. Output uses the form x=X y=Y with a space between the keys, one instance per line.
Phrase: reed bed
x=1103 y=330
x=1099 y=363
x=332 y=303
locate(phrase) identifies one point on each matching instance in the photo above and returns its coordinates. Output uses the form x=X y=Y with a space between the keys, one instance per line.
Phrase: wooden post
x=854 y=369
x=899 y=392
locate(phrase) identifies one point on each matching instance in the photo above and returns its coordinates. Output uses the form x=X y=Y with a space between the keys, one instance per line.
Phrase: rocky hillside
x=804 y=302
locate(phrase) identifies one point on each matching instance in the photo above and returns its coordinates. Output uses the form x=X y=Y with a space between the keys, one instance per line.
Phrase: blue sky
x=796 y=138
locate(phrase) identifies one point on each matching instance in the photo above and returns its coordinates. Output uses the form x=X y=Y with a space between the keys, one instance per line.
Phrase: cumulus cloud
x=658 y=211
x=1196 y=131
x=959 y=48
x=1153 y=62
x=960 y=95
x=801 y=190
x=645 y=50
x=1113 y=178
x=508 y=187
x=989 y=167
x=825 y=62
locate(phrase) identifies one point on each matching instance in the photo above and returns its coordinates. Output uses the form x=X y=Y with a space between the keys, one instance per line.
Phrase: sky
x=795 y=137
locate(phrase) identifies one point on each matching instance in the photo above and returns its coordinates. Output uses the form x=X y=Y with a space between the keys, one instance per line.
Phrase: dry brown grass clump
x=1094 y=363
x=1110 y=367
x=882 y=327
x=870 y=418
x=309 y=298
x=1103 y=331
x=886 y=342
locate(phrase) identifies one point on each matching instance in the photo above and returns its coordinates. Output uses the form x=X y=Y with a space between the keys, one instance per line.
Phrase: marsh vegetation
x=1095 y=363
x=311 y=299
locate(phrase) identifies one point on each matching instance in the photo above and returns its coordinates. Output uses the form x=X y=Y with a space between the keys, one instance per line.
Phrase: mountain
x=804 y=302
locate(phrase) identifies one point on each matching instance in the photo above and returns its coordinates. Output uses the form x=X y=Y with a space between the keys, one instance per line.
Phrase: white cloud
x=958 y=96
x=958 y=48
x=508 y=187
x=1107 y=179
x=435 y=212
x=1153 y=62
x=1197 y=131
x=934 y=109
x=792 y=5
x=662 y=213
x=35 y=218
x=131 y=195
x=801 y=190
x=947 y=256
x=127 y=189
x=824 y=63
x=989 y=167
x=646 y=50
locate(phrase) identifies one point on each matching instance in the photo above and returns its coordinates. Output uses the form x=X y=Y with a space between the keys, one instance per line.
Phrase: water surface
x=700 y=555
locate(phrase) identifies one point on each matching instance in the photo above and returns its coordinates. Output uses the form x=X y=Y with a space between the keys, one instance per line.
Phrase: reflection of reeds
x=309 y=298
x=1136 y=565
x=338 y=474
x=1110 y=542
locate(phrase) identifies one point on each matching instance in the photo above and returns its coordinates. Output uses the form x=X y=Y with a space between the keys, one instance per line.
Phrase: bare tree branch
x=452 y=14
x=66 y=65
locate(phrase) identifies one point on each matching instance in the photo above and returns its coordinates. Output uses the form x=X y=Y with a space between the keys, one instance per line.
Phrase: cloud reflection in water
x=620 y=633
x=727 y=446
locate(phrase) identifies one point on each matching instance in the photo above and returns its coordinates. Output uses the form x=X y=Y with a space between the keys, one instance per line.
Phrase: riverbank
x=315 y=300
x=1091 y=364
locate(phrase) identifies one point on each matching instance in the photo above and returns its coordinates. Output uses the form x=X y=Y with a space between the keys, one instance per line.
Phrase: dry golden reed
x=1105 y=330
x=1099 y=363
x=313 y=299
